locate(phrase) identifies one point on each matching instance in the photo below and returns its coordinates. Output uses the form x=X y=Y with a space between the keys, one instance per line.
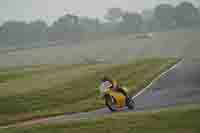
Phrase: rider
x=113 y=85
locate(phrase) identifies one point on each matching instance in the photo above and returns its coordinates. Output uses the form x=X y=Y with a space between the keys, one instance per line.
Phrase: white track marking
x=157 y=78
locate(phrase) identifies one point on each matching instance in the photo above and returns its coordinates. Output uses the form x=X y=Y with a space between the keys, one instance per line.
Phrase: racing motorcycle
x=115 y=101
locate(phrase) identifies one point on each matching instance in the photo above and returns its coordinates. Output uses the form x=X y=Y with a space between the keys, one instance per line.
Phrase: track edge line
x=157 y=78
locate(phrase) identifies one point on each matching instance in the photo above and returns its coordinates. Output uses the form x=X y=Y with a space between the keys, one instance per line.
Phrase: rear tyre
x=110 y=103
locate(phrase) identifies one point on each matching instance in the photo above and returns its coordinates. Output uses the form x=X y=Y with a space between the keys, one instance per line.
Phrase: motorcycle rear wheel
x=110 y=102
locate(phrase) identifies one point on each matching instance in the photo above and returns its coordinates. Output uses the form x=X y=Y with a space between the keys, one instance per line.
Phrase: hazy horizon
x=48 y=10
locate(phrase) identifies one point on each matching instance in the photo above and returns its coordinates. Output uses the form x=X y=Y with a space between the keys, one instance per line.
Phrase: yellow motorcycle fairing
x=119 y=97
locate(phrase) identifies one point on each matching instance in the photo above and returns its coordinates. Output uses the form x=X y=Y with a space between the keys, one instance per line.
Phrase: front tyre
x=110 y=103
x=130 y=103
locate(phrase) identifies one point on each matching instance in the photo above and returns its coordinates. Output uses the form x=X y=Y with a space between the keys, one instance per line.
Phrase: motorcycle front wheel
x=130 y=103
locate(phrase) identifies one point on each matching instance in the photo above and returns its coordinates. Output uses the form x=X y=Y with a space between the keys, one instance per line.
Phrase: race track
x=178 y=86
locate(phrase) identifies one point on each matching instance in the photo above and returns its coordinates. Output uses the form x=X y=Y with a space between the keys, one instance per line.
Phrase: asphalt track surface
x=179 y=85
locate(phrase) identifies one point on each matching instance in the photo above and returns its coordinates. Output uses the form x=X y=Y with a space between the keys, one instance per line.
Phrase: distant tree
x=151 y=25
x=66 y=27
x=187 y=14
x=38 y=25
x=147 y=14
x=3 y=37
x=164 y=13
x=88 y=24
x=199 y=10
x=67 y=23
x=14 y=32
x=37 y=30
x=131 y=22
x=149 y=21
x=113 y=14
x=63 y=24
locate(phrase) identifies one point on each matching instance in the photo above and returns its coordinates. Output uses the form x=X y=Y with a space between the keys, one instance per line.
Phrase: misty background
x=27 y=22
x=49 y=10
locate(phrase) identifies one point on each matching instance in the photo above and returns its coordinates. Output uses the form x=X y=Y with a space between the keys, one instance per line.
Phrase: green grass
x=176 y=120
x=49 y=90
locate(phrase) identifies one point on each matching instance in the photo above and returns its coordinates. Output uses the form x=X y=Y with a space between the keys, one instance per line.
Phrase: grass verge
x=51 y=90
x=176 y=120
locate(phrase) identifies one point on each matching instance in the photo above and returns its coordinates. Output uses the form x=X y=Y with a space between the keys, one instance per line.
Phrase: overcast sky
x=49 y=10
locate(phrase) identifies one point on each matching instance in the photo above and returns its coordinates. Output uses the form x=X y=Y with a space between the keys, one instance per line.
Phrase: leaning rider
x=113 y=85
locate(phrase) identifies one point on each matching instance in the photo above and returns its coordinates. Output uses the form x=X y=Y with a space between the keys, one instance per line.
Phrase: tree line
x=71 y=27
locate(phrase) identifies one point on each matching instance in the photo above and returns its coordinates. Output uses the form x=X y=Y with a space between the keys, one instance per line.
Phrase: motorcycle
x=115 y=101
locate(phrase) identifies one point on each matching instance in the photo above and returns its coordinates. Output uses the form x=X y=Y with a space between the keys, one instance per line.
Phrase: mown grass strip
x=175 y=120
